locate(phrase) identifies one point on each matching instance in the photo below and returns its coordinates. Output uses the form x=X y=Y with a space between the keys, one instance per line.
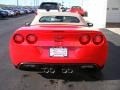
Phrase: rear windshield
x=52 y=6
x=76 y=7
x=64 y=19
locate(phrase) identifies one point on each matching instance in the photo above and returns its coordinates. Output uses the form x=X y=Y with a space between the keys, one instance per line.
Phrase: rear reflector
x=31 y=39
x=84 y=39
x=98 y=39
x=18 y=38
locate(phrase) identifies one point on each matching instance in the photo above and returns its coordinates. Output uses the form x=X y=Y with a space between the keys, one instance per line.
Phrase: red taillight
x=98 y=39
x=31 y=38
x=18 y=38
x=84 y=39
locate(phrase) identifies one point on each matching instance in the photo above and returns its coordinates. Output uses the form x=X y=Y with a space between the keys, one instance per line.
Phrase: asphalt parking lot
x=12 y=79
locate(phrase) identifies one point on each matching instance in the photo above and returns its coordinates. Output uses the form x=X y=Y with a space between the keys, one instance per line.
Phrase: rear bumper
x=57 y=67
x=95 y=55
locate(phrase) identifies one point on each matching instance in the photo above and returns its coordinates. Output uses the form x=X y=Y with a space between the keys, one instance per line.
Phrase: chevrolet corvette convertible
x=58 y=42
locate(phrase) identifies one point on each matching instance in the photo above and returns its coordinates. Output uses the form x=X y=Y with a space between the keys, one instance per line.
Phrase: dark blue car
x=3 y=13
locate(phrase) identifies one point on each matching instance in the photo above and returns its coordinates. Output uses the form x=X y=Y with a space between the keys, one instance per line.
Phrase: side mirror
x=90 y=24
x=27 y=24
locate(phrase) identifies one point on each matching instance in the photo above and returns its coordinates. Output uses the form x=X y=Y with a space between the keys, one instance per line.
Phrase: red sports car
x=58 y=42
x=79 y=10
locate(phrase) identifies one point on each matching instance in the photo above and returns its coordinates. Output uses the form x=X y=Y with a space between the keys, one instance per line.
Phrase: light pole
x=17 y=3
x=34 y=3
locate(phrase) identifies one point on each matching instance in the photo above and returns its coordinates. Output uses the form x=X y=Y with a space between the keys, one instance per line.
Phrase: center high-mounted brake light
x=31 y=38
x=18 y=38
x=84 y=39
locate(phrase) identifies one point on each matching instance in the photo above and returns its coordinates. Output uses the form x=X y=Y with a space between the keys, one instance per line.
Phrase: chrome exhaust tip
x=52 y=70
x=64 y=71
x=70 y=71
x=46 y=70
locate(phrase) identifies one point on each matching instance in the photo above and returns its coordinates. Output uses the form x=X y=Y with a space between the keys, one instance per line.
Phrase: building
x=101 y=12
x=113 y=11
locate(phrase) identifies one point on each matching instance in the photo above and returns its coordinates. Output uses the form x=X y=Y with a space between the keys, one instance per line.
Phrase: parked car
x=10 y=12
x=49 y=7
x=3 y=13
x=58 y=42
x=78 y=9
x=17 y=12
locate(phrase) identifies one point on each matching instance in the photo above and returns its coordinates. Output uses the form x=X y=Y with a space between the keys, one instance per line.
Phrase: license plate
x=58 y=52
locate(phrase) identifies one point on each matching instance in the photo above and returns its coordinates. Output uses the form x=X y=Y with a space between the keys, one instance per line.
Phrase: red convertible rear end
x=58 y=42
x=38 y=47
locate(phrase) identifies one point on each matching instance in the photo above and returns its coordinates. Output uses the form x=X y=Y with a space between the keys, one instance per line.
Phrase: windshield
x=65 y=19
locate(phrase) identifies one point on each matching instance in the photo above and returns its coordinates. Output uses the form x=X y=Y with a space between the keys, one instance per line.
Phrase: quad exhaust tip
x=70 y=71
x=52 y=70
x=48 y=70
x=65 y=71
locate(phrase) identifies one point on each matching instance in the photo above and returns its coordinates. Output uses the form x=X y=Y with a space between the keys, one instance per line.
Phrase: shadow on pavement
x=111 y=70
x=3 y=18
x=83 y=75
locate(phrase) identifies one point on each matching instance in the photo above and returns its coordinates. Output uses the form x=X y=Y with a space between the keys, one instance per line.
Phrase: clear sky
x=67 y=3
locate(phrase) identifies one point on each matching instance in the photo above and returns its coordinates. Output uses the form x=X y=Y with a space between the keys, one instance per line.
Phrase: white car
x=49 y=7
x=10 y=12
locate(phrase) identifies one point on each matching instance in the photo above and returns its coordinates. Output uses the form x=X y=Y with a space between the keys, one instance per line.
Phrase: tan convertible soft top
x=37 y=17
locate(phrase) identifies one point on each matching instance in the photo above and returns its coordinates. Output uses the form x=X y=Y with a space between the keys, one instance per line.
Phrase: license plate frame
x=58 y=52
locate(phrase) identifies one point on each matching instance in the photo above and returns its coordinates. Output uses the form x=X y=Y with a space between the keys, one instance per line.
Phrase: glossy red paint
x=78 y=10
x=50 y=36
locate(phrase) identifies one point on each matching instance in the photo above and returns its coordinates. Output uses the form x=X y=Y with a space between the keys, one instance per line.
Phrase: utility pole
x=37 y=3
x=17 y=3
x=34 y=3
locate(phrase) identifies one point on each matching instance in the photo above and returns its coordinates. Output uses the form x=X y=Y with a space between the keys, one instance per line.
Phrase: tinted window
x=64 y=19
x=76 y=7
x=49 y=6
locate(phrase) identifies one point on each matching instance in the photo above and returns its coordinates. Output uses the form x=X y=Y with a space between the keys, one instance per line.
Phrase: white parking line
x=115 y=30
